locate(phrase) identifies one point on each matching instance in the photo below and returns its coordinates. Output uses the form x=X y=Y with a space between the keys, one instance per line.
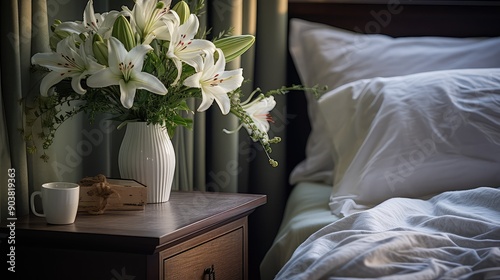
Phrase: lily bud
x=160 y=5
x=55 y=24
x=82 y=36
x=123 y=32
x=182 y=10
x=100 y=49
x=234 y=46
x=56 y=37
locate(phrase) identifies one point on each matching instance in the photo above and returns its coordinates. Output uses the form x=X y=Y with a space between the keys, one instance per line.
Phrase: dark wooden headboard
x=395 y=18
x=404 y=18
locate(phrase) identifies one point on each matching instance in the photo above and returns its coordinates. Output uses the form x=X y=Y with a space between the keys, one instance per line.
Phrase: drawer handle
x=210 y=272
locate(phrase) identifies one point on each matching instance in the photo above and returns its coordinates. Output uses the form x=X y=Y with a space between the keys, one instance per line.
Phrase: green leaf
x=183 y=106
x=178 y=120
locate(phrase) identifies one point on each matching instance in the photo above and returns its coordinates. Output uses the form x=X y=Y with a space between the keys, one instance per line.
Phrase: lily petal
x=71 y=27
x=184 y=48
x=76 y=84
x=103 y=78
x=231 y=80
x=147 y=20
x=92 y=22
x=116 y=54
x=136 y=55
x=89 y=19
x=206 y=102
x=259 y=110
x=193 y=80
x=125 y=70
x=127 y=93
x=215 y=83
x=50 y=80
x=222 y=99
x=149 y=82
x=52 y=61
x=191 y=55
x=69 y=61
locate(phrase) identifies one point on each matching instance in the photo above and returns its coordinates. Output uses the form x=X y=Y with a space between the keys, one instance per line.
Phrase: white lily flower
x=215 y=83
x=125 y=70
x=148 y=18
x=68 y=61
x=259 y=110
x=101 y=24
x=184 y=48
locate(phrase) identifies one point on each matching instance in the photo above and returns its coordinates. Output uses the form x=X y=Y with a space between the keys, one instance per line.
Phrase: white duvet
x=453 y=235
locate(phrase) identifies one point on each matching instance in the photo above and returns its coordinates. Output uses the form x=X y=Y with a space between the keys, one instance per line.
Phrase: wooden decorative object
x=99 y=194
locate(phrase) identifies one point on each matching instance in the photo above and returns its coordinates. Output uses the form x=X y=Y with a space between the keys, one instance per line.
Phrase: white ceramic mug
x=59 y=202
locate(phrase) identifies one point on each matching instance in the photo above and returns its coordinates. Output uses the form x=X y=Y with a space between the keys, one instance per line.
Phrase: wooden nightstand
x=195 y=235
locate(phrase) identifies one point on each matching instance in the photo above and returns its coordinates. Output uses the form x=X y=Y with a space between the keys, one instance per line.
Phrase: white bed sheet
x=453 y=235
x=306 y=212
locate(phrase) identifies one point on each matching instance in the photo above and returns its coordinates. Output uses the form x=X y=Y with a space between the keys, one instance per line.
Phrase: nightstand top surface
x=184 y=214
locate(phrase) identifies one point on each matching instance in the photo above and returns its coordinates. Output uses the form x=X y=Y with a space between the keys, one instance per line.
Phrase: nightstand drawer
x=221 y=255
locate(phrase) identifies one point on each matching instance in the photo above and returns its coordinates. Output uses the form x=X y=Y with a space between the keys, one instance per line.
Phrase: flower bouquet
x=142 y=65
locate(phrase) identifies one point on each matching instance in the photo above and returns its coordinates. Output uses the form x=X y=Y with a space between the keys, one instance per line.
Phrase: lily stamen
x=267 y=117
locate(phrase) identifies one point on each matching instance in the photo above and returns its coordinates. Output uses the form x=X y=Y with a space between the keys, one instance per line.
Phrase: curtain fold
x=222 y=159
x=5 y=162
x=190 y=154
x=17 y=39
x=270 y=73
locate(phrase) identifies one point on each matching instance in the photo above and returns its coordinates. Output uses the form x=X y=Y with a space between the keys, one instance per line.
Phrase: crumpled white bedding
x=306 y=212
x=453 y=235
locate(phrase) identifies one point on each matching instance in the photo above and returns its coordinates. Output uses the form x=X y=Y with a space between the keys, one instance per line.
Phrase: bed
x=395 y=170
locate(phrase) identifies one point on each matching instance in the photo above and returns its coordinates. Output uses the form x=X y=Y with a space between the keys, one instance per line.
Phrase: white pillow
x=413 y=135
x=326 y=55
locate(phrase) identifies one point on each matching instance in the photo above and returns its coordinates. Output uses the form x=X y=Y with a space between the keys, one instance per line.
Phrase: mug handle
x=33 y=203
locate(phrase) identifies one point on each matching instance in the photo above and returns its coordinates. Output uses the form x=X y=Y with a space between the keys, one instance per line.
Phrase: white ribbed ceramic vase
x=147 y=156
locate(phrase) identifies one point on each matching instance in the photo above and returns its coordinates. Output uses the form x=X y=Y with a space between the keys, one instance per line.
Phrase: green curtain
x=223 y=158
x=23 y=29
x=270 y=73
x=207 y=158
